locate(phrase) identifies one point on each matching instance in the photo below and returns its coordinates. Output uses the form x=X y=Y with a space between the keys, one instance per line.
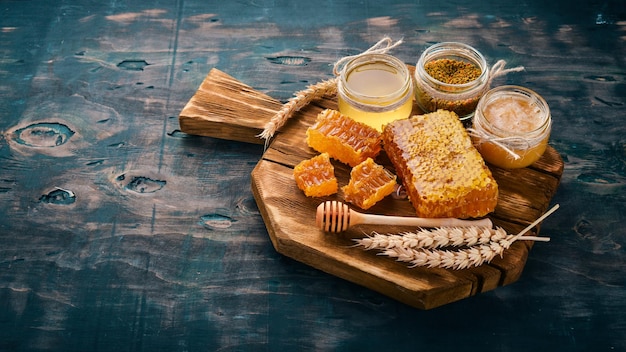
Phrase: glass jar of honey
x=451 y=76
x=511 y=126
x=375 y=89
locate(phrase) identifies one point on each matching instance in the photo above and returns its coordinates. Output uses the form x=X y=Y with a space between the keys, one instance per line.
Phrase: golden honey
x=442 y=172
x=316 y=176
x=369 y=184
x=375 y=89
x=511 y=127
x=343 y=138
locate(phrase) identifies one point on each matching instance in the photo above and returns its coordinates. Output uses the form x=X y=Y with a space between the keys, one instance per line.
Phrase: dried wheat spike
x=449 y=259
x=435 y=238
x=472 y=247
x=300 y=100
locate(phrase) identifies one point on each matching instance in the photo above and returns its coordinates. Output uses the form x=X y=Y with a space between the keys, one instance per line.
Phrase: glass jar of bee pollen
x=375 y=89
x=458 y=88
x=511 y=126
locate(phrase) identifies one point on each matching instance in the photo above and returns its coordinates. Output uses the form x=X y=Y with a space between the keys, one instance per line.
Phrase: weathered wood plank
x=225 y=108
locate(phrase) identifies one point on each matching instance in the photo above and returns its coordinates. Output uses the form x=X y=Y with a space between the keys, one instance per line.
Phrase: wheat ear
x=300 y=100
x=449 y=259
x=435 y=238
x=475 y=246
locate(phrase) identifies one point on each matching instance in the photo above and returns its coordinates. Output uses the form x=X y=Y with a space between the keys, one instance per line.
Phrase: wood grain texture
x=225 y=108
x=290 y=216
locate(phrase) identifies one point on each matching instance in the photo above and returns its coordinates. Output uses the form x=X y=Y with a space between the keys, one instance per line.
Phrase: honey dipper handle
x=359 y=218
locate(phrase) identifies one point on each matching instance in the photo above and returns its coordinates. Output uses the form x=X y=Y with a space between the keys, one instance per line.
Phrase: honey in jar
x=375 y=89
x=511 y=127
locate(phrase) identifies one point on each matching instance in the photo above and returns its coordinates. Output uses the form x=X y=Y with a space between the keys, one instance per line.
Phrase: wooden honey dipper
x=334 y=216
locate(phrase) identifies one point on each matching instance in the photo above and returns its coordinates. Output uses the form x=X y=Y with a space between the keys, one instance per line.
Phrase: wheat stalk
x=436 y=238
x=472 y=246
x=449 y=259
x=300 y=100
x=475 y=255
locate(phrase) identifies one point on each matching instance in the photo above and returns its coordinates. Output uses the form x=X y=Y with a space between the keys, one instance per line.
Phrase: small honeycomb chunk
x=369 y=184
x=343 y=138
x=316 y=176
x=443 y=173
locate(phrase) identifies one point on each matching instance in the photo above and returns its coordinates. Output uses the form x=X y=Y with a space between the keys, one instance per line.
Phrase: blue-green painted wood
x=119 y=233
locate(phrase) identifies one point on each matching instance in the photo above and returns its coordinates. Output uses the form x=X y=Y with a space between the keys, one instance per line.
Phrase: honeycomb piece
x=343 y=138
x=316 y=176
x=369 y=183
x=443 y=173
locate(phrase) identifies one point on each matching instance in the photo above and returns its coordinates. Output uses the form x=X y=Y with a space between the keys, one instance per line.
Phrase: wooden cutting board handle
x=225 y=108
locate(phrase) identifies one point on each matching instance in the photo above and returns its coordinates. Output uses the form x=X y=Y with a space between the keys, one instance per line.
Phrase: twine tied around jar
x=508 y=144
x=495 y=71
x=505 y=143
x=392 y=99
x=382 y=47
x=498 y=70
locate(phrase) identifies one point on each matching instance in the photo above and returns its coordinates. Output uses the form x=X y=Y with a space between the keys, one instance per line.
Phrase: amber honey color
x=316 y=176
x=496 y=156
x=369 y=184
x=375 y=91
x=442 y=172
x=512 y=126
x=343 y=138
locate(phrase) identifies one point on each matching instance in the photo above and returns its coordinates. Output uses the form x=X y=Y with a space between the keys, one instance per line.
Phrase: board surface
x=241 y=113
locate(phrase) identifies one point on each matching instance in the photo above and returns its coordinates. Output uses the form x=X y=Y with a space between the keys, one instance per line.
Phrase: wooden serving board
x=226 y=108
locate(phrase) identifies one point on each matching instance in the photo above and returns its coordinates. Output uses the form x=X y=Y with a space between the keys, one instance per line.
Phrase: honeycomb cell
x=316 y=176
x=443 y=173
x=343 y=138
x=369 y=184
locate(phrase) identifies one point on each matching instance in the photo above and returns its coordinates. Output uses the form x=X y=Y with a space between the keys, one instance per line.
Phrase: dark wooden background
x=119 y=232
